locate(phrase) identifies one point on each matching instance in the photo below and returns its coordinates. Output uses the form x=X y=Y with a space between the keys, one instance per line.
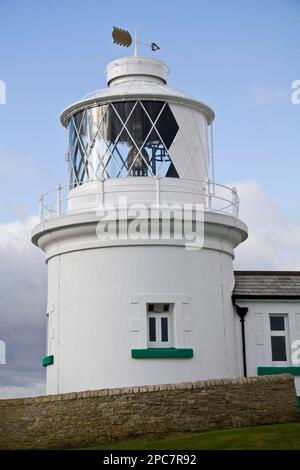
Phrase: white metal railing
x=216 y=197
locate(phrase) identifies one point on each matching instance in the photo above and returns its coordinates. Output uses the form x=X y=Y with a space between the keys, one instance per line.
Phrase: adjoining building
x=269 y=302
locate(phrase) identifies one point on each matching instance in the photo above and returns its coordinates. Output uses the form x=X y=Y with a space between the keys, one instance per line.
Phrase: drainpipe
x=242 y=312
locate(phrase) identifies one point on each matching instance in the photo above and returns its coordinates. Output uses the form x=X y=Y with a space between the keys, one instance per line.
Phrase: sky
x=239 y=57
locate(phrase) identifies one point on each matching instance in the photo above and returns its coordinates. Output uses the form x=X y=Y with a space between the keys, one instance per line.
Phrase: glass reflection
x=116 y=140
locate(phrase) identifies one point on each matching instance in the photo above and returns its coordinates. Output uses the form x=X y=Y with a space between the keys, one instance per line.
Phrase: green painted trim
x=48 y=360
x=294 y=370
x=162 y=353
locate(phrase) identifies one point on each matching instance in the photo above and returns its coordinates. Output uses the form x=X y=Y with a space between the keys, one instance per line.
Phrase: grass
x=268 y=437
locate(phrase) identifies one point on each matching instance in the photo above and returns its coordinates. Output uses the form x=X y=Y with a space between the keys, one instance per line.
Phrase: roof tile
x=267 y=284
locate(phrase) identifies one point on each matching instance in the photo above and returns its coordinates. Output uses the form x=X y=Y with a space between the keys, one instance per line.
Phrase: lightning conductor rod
x=212 y=156
x=135 y=52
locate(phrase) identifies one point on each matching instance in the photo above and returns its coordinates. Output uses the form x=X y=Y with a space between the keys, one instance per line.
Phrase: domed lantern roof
x=136 y=77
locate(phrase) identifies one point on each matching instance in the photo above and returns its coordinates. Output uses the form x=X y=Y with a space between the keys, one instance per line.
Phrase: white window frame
x=284 y=333
x=181 y=318
x=158 y=343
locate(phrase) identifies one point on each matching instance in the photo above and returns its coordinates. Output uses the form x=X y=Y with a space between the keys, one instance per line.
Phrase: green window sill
x=293 y=370
x=48 y=360
x=162 y=353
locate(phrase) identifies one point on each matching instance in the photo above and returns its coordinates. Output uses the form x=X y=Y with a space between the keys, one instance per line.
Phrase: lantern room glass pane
x=121 y=139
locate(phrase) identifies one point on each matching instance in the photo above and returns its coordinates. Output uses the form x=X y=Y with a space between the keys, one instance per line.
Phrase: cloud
x=274 y=240
x=22 y=309
x=34 y=390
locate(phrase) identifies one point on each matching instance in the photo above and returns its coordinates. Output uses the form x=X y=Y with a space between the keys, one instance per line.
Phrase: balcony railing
x=215 y=197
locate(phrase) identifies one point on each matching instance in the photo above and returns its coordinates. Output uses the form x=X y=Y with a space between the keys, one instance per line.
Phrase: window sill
x=48 y=360
x=162 y=353
x=293 y=370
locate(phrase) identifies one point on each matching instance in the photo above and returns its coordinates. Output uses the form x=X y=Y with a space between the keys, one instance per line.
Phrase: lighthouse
x=133 y=298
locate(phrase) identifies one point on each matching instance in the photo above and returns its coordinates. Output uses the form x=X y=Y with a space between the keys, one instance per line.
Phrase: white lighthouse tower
x=143 y=306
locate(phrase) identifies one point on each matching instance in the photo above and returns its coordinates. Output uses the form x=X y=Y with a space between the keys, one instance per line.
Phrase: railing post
x=208 y=194
x=157 y=189
x=58 y=188
x=102 y=191
x=235 y=203
x=41 y=204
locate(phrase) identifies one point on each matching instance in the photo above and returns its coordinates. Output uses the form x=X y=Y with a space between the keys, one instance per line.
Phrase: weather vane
x=123 y=38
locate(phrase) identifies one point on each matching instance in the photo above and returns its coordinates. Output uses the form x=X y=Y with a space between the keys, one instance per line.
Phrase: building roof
x=267 y=285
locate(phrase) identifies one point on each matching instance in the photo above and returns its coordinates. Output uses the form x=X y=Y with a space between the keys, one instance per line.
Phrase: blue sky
x=239 y=57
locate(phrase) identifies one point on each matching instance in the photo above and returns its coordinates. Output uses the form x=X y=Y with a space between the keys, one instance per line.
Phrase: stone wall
x=87 y=418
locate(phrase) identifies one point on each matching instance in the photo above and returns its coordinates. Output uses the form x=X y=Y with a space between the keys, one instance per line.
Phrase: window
x=159 y=325
x=279 y=338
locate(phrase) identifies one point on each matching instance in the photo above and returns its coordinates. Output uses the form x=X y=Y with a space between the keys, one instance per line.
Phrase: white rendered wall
x=258 y=334
x=53 y=309
x=99 y=301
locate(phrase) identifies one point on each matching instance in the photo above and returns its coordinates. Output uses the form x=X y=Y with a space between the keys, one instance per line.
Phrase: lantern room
x=137 y=126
